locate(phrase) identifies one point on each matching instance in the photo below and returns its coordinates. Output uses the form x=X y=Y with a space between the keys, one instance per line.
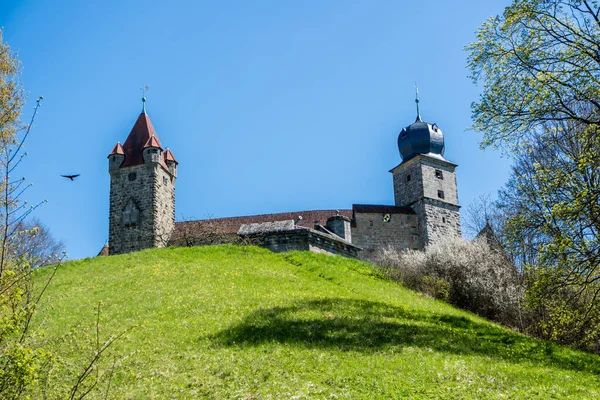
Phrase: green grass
x=241 y=322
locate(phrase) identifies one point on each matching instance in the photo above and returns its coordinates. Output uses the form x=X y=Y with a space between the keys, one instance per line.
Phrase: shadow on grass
x=361 y=325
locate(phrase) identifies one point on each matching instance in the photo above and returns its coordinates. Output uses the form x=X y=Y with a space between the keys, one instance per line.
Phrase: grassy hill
x=241 y=322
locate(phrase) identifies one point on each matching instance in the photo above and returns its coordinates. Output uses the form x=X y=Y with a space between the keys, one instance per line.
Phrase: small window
x=441 y=194
x=407 y=178
x=154 y=151
x=132 y=176
x=439 y=174
x=370 y=223
x=444 y=220
x=165 y=180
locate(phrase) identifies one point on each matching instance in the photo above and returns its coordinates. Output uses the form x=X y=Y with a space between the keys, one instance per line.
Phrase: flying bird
x=71 y=177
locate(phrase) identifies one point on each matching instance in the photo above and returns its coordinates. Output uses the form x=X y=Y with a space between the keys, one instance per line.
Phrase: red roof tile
x=118 y=149
x=153 y=142
x=376 y=208
x=141 y=132
x=232 y=225
x=170 y=157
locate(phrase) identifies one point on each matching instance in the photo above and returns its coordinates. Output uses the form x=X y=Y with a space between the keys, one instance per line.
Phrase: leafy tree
x=19 y=362
x=554 y=193
x=35 y=243
x=538 y=62
x=540 y=68
x=26 y=367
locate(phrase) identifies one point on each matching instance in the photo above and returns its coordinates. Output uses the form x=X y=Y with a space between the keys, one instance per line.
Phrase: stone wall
x=371 y=233
x=437 y=219
x=142 y=207
x=408 y=190
x=164 y=206
x=304 y=239
x=428 y=176
x=432 y=193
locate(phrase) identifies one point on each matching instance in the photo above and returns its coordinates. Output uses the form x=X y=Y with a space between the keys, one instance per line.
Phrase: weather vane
x=417 y=100
x=144 y=89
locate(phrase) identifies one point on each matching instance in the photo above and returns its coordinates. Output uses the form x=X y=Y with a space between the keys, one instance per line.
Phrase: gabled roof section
x=170 y=157
x=118 y=149
x=140 y=134
x=153 y=142
x=232 y=225
x=376 y=208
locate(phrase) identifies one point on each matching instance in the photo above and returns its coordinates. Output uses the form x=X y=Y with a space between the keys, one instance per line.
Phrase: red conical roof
x=118 y=149
x=170 y=157
x=140 y=134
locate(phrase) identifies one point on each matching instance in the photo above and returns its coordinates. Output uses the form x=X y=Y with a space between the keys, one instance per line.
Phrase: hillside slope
x=242 y=322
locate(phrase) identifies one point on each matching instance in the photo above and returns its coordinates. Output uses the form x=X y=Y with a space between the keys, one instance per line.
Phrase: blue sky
x=269 y=106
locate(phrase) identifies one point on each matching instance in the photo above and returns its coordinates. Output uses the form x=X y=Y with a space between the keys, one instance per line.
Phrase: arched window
x=131 y=214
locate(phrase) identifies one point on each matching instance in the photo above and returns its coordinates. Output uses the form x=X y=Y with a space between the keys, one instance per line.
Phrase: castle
x=142 y=204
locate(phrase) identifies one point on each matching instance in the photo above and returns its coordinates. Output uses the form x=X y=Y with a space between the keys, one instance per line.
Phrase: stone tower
x=142 y=190
x=426 y=181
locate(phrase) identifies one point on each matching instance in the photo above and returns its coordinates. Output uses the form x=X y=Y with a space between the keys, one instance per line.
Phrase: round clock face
x=387 y=217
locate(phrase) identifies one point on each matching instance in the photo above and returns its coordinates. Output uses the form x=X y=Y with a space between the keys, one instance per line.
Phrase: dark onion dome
x=421 y=138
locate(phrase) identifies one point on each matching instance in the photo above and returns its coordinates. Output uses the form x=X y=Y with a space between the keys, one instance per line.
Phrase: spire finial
x=144 y=89
x=417 y=101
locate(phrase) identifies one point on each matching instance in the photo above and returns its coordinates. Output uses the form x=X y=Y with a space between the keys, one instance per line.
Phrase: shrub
x=469 y=275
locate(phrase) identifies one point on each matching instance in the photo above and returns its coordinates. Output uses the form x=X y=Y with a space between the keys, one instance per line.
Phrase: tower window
x=439 y=174
x=407 y=178
x=165 y=180
x=132 y=176
x=444 y=220
x=131 y=214
x=370 y=223
x=441 y=194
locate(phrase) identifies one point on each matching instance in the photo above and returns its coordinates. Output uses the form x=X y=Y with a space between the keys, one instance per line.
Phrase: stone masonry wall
x=437 y=220
x=407 y=191
x=164 y=206
x=304 y=239
x=432 y=193
x=432 y=183
x=371 y=232
x=142 y=212
x=424 y=182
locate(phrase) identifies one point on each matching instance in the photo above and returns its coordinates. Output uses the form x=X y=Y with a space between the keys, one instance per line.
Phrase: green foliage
x=242 y=322
x=11 y=93
x=438 y=288
x=541 y=83
x=537 y=63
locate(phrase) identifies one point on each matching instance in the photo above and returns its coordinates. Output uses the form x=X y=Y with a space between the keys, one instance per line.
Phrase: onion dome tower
x=142 y=190
x=426 y=181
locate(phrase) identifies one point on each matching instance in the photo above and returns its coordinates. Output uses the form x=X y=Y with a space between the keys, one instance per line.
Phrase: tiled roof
x=140 y=134
x=170 y=157
x=118 y=149
x=232 y=224
x=375 y=208
x=104 y=251
x=153 y=142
